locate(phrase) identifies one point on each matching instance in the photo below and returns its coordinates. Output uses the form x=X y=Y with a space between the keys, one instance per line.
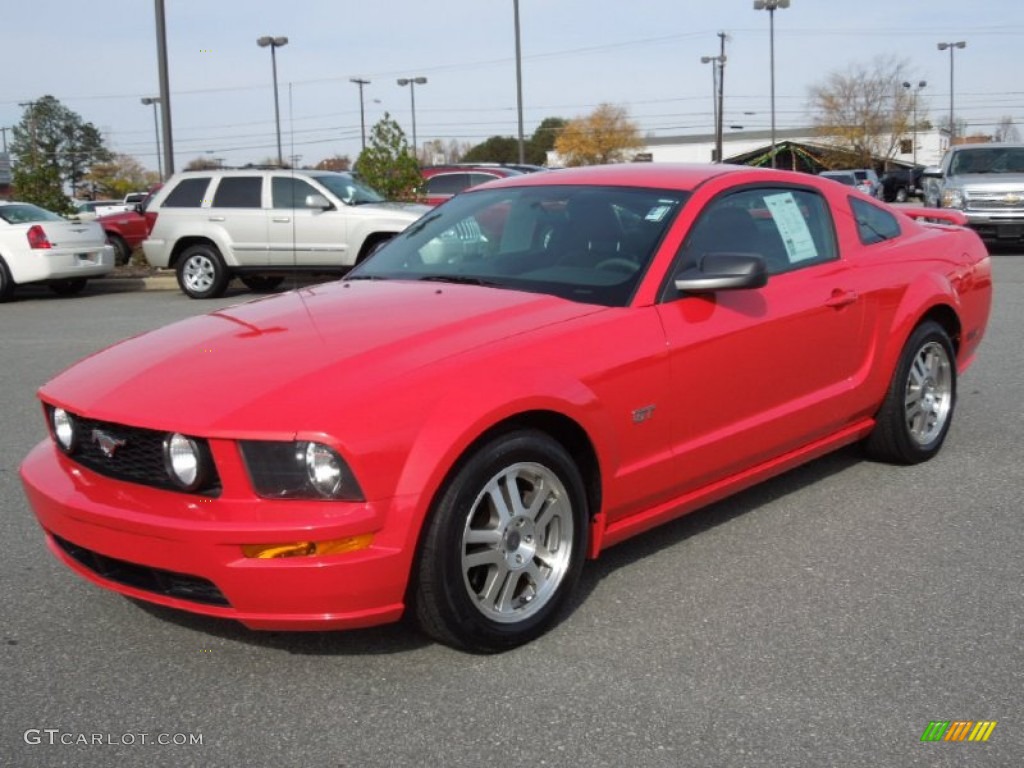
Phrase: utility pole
x=4 y=129
x=362 y=114
x=721 y=95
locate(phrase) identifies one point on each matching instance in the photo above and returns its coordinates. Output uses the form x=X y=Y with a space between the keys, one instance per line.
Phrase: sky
x=100 y=58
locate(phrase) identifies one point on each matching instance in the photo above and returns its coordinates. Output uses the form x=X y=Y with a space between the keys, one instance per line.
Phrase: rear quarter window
x=239 y=192
x=874 y=224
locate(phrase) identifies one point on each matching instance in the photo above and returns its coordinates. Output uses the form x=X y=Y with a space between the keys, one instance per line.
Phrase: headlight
x=299 y=470
x=185 y=461
x=64 y=429
x=952 y=198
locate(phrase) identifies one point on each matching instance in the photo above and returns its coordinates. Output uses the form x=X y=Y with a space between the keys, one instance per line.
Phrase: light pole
x=519 y=84
x=717 y=72
x=412 y=82
x=362 y=115
x=770 y=6
x=165 y=87
x=913 y=108
x=951 y=46
x=154 y=100
x=275 y=43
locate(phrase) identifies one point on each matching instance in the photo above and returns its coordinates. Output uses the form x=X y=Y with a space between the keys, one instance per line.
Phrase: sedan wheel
x=915 y=417
x=504 y=546
x=201 y=272
x=6 y=283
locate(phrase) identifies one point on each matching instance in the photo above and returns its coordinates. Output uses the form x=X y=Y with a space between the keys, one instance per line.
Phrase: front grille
x=155 y=580
x=995 y=201
x=138 y=455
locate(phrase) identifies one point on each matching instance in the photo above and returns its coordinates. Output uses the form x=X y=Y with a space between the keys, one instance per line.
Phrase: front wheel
x=913 y=421
x=901 y=195
x=504 y=545
x=201 y=272
x=122 y=253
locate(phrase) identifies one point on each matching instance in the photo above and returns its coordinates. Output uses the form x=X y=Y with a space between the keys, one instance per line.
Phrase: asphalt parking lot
x=821 y=619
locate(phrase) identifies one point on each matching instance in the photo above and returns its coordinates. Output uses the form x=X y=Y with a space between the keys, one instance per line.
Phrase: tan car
x=262 y=225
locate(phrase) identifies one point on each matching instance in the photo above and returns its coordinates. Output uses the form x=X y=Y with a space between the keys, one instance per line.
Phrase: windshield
x=583 y=243
x=23 y=213
x=348 y=188
x=993 y=159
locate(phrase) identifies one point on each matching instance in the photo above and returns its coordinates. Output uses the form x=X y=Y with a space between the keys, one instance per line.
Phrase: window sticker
x=657 y=213
x=792 y=227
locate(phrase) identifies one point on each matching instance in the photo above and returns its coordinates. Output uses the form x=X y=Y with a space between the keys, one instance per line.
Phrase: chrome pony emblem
x=107 y=443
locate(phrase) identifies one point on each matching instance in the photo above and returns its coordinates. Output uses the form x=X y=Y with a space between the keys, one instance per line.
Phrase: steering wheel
x=618 y=264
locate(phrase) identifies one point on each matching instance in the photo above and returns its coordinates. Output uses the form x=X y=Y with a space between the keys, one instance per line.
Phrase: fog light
x=308 y=548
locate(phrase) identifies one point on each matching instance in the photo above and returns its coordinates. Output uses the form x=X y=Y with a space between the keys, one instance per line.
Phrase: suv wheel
x=201 y=272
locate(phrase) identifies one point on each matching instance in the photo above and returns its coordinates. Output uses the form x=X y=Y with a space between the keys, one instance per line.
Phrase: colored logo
x=958 y=730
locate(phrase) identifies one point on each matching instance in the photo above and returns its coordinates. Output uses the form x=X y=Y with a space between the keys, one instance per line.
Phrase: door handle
x=281 y=219
x=841 y=298
x=216 y=218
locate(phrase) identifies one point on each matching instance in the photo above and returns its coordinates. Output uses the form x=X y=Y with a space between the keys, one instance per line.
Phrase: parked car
x=539 y=369
x=868 y=181
x=842 y=177
x=134 y=198
x=262 y=225
x=900 y=184
x=986 y=183
x=89 y=210
x=38 y=246
x=126 y=230
x=441 y=182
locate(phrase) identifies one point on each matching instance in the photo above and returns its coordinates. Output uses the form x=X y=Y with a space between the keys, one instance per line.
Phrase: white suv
x=262 y=225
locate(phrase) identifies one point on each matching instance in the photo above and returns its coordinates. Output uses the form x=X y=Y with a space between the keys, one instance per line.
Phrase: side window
x=188 y=193
x=239 y=192
x=447 y=183
x=481 y=178
x=288 y=192
x=874 y=224
x=789 y=228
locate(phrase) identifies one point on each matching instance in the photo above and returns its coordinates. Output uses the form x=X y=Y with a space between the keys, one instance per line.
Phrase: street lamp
x=913 y=103
x=154 y=100
x=275 y=43
x=717 y=76
x=951 y=46
x=770 y=6
x=362 y=115
x=412 y=82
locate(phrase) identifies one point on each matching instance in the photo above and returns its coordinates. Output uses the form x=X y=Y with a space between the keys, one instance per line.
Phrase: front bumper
x=184 y=551
x=1001 y=226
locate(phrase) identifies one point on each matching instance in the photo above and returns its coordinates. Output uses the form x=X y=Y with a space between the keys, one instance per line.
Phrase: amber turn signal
x=308 y=548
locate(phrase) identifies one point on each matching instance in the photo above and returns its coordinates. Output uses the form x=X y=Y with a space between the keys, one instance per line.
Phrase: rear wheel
x=918 y=408
x=201 y=272
x=901 y=195
x=260 y=283
x=122 y=253
x=504 y=545
x=68 y=287
x=6 y=283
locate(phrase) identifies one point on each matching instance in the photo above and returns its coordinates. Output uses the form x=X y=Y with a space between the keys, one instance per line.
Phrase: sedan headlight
x=952 y=198
x=65 y=430
x=186 y=460
x=301 y=469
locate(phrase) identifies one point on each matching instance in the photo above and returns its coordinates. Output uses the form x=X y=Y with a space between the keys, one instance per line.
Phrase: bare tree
x=1006 y=131
x=865 y=110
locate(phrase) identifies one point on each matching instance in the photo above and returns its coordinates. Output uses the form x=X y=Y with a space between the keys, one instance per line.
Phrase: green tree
x=54 y=146
x=42 y=186
x=387 y=164
x=543 y=139
x=497 y=149
x=606 y=135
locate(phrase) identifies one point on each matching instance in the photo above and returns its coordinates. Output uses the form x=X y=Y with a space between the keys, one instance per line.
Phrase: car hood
x=273 y=364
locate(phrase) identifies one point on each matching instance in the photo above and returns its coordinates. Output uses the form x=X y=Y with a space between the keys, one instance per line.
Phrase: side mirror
x=318 y=201
x=723 y=272
x=932 y=172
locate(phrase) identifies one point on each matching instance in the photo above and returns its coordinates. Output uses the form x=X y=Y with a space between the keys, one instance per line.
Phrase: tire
x=490 y=578
x=260 y=283
x=68 y=287
x=914 y=419
x=6 y=282
x=201 y=272
x=122 y=253
x=901 y=195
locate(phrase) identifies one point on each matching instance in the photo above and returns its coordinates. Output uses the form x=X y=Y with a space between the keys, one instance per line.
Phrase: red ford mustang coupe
x=529 y=374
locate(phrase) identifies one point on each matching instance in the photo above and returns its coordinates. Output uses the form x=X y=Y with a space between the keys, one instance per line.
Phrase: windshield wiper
x=459 y=280
x=365 y=277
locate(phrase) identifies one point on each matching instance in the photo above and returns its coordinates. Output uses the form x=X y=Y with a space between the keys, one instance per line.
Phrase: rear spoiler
x=936 y=215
